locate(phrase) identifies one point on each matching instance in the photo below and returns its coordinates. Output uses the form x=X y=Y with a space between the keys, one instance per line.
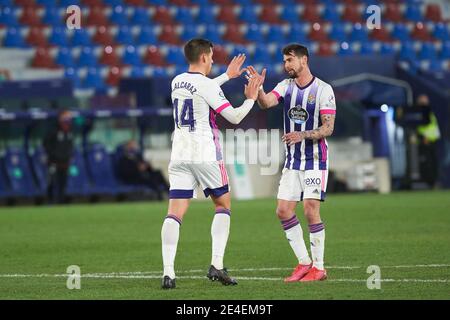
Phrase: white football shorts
x=184 y=177
x=296 y=185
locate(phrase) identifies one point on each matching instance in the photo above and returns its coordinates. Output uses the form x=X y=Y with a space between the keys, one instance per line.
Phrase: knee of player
x=283 y=213
x=311 y=207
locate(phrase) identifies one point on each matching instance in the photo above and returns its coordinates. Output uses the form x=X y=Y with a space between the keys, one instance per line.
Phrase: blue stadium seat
x=175 y=56
x=359 y=34
x=289 y=14
x=212 y=33
x=6 y=3
x=72 y=75
x=160 y=72
x=254 y=33
x=262 y=55
x=366 y=48
x=331 y=14
x=52 y=17
x=296 y=34
x=184 y=16
x=146 y=36
x=137 y=72
x=189 y=32
x=113 y=3
x=157 y=2
x=101 y=170
x=65 y=58
x=275 y=34
x=413 y=13
x=248 y=14
x=345 y=49
x=427 y=52
x=141 y=16
x=14 y=39
x=237 y=49
x=337 y=32
x=5 y=191
x=58 y=37
x=435 y=66
x=445 y=51
x=131 y=56
x=400 y=32
x=407 y=52
x=8 y=17
x=47 y=3
x=81 y=37
x=67 y=3
x=94 y=80
x=78 y=183
x=441 y=32
x=119 y=15
x=125 y=36
x=38 y=161
x=87 y=58
x=206 y=15
x=387 y=48
x=201 y=3
x=19 y=173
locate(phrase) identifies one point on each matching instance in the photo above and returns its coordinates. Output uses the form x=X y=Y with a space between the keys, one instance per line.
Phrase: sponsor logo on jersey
x=313 y=181
x=298 y=114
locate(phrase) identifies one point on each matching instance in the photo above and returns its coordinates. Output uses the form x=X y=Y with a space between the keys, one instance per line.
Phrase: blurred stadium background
x=115 y=74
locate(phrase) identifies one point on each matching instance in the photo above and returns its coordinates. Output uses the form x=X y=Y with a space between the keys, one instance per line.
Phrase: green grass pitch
x=118 y=248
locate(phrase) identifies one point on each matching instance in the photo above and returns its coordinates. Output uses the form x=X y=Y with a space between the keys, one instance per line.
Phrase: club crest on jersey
x=298 y=114
x=311 y=99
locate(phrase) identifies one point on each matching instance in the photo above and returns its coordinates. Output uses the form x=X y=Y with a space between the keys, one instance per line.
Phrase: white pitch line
x=157 y=274
x=286 y=268
x=115 y=276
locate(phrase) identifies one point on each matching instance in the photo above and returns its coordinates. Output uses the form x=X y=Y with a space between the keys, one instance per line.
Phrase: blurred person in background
x=428 y=134
x=133 y=169
x=58 y=145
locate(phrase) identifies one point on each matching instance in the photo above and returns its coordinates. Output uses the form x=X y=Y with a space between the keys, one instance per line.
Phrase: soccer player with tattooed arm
x=309 y=115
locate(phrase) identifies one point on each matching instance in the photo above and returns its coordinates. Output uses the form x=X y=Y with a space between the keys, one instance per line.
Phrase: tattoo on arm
x=325 y=130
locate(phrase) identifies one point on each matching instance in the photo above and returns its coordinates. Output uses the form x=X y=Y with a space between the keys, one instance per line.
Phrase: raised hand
x=252 y=88
x=234 y=68
x=252 y=73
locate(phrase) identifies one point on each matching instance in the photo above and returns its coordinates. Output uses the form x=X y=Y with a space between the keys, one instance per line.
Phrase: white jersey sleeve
x=327 y=102
x=280 y=89
x=214 y=96
x=222 y=79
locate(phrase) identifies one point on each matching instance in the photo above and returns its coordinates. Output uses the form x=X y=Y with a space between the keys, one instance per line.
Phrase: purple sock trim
x=314 y=228
x=223 y=211
x=292 y=222
x=174 y=217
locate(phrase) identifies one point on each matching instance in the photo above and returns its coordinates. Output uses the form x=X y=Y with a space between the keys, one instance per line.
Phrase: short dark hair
x=195 y=48
x=295 y=49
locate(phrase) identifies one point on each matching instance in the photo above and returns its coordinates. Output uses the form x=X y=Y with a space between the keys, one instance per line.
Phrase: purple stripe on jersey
x=215 y=132
x=309 y=144
x=298 y=127
x=287 y=121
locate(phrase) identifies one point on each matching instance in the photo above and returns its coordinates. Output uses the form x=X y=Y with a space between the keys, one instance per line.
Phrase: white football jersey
x=196 y=101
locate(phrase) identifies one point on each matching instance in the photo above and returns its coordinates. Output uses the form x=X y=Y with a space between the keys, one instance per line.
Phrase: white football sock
x=317 y=238
x=220 y=230
x=294 y=234
x=170 y=234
